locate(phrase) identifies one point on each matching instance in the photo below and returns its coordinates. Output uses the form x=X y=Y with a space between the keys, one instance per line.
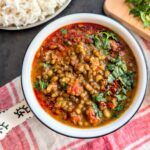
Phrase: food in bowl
x=84 y=75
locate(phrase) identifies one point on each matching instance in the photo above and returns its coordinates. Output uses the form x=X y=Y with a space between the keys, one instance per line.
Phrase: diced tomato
x=92 y=117
x=115 y=46
x=75 y=118
x=75 y=89
x=110 y=105
x=102 y=105
x=114 y=87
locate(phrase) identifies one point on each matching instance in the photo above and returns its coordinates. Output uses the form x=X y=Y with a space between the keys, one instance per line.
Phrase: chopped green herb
x=141 y=9
x=102 y=41
x=111 y=78
x=64 y=31
x=46 y=65
x=108 y=93
x=105 y=37
x=109 y=35
x=121 y=97
x=64 y=85
x=67 y=43
x=122 y=65
x=98 y=113
x=123 y=90
x=117 y=72
x=99 y=97
x=40 y=85
x=115 y=115
x=36 y=85
x=127 y=80
x=97 y=42
x=111 y=67
x=43 y=85
x=119 y=107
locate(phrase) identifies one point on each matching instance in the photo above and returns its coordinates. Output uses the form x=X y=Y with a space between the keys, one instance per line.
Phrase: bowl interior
x=46 y=118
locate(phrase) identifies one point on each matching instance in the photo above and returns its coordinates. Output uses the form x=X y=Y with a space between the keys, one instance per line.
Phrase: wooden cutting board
x=119 y=10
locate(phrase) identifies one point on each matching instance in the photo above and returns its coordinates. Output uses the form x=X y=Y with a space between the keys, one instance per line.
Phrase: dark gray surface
x=13 y=44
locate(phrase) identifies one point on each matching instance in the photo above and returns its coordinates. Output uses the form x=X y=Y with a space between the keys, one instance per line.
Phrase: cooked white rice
x=26 y=12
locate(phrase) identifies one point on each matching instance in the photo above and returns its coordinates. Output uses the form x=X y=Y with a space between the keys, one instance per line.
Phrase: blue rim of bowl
x=118 y=127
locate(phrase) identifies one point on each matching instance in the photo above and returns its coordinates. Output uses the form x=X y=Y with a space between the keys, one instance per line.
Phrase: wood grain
x=119 y=10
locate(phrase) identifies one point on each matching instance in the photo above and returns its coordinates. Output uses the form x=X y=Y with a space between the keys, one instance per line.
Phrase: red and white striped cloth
x=33 y=135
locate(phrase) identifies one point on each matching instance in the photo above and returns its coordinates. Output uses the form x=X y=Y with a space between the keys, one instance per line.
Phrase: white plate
x=39 y=22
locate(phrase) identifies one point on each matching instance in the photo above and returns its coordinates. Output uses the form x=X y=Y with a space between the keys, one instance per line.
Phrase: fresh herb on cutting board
x=141 y=9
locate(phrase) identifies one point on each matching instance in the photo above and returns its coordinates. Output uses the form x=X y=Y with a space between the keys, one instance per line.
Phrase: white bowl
x=44 y=117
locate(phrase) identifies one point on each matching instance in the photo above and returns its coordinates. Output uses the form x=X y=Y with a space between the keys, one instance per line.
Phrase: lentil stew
x=84 y=75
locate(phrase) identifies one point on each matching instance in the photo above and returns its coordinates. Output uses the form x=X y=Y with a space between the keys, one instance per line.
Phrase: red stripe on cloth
x=128 y=134
x=31 y=135
x=12 y=85
x=96 y=144
x=72 y=144
x=15 y=140
x=143 y=109
x=133 y=131
x=5 y=99
x=140 y=144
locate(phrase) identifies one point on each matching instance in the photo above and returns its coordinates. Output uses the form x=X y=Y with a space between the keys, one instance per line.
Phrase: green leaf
x=102 y=41
x=115 y=115
x=36 y=85
x=99 y=97
x=141 y=9
x=122 y=65
x=121 y=97
x=111 y=78
x=109 y=35
x=119 y=107
x=64 y=31
x=111 y=67
x=145 y=18
x=97 y=42
x=108 y=93
x=43 y=85
x=117 y=72
x=123 y=90
x=64 y=85
x=105 y=37
x=127 y=80
x=46 y=65
x=98 y=113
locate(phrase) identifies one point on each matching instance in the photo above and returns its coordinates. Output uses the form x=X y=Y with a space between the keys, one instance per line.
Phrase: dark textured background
x=13 y=44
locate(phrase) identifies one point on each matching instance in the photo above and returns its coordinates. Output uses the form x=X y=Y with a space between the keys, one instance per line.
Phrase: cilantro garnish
x=102 y=40
x=141 y=9
x=119 y=107
x=43 y=85
x=36 y=85
x=64 y=31
x=121 y=97
x=64 y=85
x=97 y=42
x=40 y=85
x=97 y=111
x=99 y=97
